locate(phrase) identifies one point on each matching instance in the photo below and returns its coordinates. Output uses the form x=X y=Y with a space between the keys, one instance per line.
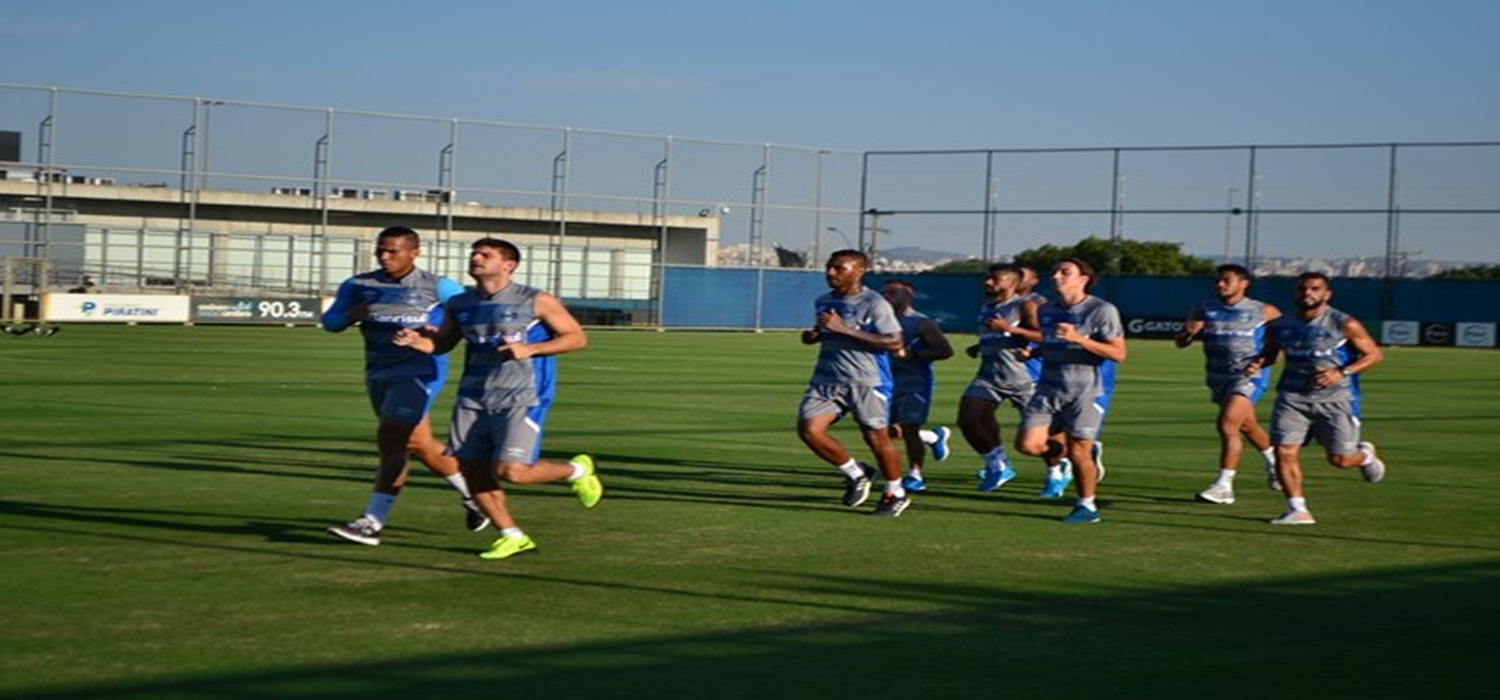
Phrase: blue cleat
x=1082 y=514
x=940 y=448
x=994 y=478
x=1054 y=488
x=913 y=483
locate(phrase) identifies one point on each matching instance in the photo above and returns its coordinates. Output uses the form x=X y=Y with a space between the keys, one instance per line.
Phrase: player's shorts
x=503 y=435
x=911 y=407
x=1334 y=424
x=403 y=399
x=870 y=405
x=996 y=393
x=1078 y=416
x=1221 y=388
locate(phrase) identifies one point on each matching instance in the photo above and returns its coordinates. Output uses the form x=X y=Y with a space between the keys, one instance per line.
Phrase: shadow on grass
x=1392 y=634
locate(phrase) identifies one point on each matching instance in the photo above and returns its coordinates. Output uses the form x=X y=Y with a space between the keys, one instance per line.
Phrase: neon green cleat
x=588 y=488
x=509 y=547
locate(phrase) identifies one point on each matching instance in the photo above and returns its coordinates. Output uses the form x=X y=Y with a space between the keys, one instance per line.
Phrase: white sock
x=928 y=437
x=459 y=485
x=1226 y=478
x=915 y=472
x=851 y=469
x=578 y=472
x=1269 y=454
x=894 y=488
x=1369 y=457
x=996 y=456
x=1088 y=503
x=1055 y=471
x=379 y=507
x=1299 y=504
x=512 y=532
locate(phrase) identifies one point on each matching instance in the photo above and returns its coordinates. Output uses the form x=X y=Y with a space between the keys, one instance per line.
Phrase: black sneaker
x=474 y=518
x=856 y=491
x=364 y=531
x=891 y=506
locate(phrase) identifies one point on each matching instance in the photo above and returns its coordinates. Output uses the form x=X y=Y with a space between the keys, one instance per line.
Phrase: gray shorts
x=404 y=399
x=911 y=407
x=871 y=407
x=1334 y=424
x=504 y=435
x=986 y=390
x=1221 y=388
x=1074 y=416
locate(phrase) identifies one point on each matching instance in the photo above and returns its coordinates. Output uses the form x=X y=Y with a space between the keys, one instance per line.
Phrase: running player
x=856 y=330
x=513 y=334
x=1080 y=334
x=402 y=383
x=1318 y=393
x=915 y=382
x=1232 y=328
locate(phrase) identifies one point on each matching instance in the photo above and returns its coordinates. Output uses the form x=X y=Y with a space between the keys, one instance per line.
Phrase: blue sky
x=850 y=76
x=863 y=75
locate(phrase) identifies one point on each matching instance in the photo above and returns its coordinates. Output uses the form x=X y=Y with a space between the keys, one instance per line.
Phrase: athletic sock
x=915 y=472
x=1369 y=457
x=851 y=469
x=1226 y=478
x=459 y=485
x=1297 y=504
x=578 y=472
x=894 y=488
x=1055 y=471
x=996 y=457
x=1269 y=454
x=1088 y=503
x=379 y=507
x=512 y=532
x=928 y=437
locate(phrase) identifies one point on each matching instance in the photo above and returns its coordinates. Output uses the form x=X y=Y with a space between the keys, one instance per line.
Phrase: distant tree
x=1154 y=258
x=1472 y=272
x=972 y=266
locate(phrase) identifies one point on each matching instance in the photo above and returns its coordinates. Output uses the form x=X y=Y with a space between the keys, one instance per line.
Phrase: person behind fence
x=1318 y=395
x=856 y=330
x=513 y=334
x=402 y=383
x=1080 y=334
x=1232 y=328
x=915 y=381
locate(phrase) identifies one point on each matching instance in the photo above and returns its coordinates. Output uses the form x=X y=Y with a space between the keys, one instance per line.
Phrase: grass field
x=164 y=493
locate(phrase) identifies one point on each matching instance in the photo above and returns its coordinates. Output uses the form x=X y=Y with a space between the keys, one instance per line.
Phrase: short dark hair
x=1004 y=267
x=1238 y=270
x=508 y=250
x=1083 y=267
x=1314 y=275
x=850 y=253
x=901 y=283
x=400 y=232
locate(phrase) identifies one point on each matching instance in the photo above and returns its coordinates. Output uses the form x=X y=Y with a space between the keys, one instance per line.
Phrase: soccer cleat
x=475 y=519
x=588 y=488
x=1054 y=488
x=940 y=448
x=1375 y=470
x=856 y=491
x=1294 y=517
x=1098 y=451
x=363 y=530
x=1222 y=494
x=995 y=477
x=509 y=547
x=1082 y=514
x=891 y=506
x=913 y=483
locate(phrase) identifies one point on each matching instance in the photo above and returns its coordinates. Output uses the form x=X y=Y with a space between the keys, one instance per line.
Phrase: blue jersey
x=1311 y=346
x=413 y=301
x=913 y=376
x=493 y=380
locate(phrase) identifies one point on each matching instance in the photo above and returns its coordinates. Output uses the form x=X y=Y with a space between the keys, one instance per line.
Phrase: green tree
x=972 y=266
x=1472 y=272
x=1156 y=258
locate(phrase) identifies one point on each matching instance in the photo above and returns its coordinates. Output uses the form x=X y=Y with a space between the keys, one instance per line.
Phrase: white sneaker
x=1375 y=470
x=1222 y=494
x=1294 y=517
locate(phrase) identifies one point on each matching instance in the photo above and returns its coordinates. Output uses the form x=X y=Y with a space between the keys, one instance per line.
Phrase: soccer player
x=401 y=382
x=1080 y=333
x=856 y=330
x=1002 y=376
x=1232 y=328
x=915 y=381
x=513 y=334
x=1318 y=392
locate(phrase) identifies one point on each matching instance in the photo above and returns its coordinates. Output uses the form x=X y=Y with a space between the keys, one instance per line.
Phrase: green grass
x=164 y=493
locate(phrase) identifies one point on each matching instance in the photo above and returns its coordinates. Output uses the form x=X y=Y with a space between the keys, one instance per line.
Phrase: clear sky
x=867 y=74
x=847 y=75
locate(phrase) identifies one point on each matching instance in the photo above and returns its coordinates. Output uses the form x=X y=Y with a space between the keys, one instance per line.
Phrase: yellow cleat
x=588 y=488
x=509 y=547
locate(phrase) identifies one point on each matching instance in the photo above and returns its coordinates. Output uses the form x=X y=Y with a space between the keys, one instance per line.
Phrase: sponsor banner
x=256 y=310
x=115 y=308
x=1400 y=333
x=1437 y=334
x=1475 y=335
x=1152 y=327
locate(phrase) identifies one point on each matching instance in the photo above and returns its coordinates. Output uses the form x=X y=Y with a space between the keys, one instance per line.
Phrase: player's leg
x=519 y=462
x=396 y=422
x=872 y=412
x=1345 y=449
x=490 y=497
x=976 y=421
x=1290 y=426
